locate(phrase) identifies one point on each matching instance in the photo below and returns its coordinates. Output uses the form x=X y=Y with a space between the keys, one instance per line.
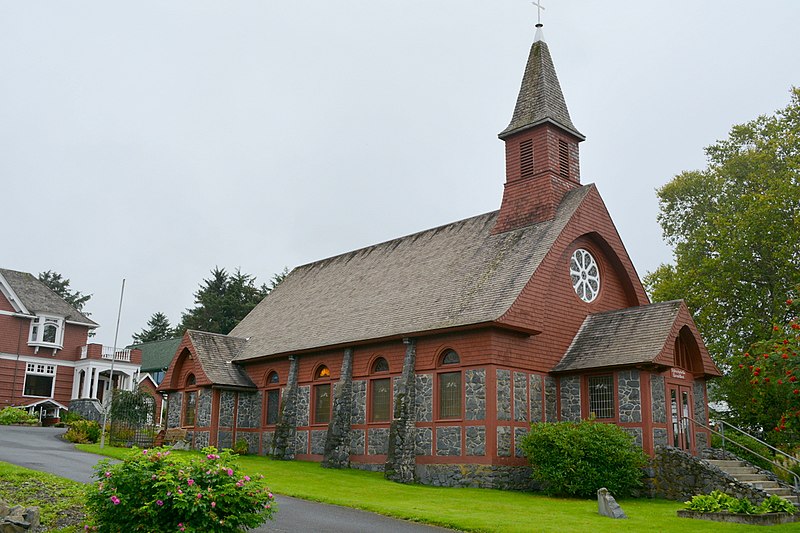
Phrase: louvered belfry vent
x=563 y=158
x=526 y=158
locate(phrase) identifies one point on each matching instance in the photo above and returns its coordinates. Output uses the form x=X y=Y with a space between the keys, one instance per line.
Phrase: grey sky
x=153 y=141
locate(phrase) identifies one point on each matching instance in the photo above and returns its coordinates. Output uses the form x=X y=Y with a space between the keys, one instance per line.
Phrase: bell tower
x=541 y=143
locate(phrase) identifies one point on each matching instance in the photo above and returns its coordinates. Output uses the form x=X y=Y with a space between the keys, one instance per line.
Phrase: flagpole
x=111 y=379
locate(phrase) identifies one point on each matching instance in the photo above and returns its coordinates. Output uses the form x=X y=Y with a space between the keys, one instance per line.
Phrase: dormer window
x=47 y=331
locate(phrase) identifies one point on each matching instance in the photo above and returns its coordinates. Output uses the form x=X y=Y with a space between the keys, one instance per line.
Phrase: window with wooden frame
x=322 y=396
x=380 y=399
x=449 y=387
x=273 y=398
x=190 y=408
x=601 y=396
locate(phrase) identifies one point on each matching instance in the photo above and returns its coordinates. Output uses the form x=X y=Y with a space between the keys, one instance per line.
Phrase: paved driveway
x=42 y=449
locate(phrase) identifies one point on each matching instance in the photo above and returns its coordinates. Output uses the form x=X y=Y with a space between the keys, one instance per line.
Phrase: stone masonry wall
x=677 y=475
x=424 y=397
x=472 y=475
x=227 y=403
x=536 y=398
x=503 y=394
x=204 y=407
x=550 y=400
x=174 y=410
x=658 y=399
x=520 y=396
x=571 y=398
x=401 y=453
x=474 y=394
x=337 y=442
x=630 y=397
x=249 y=411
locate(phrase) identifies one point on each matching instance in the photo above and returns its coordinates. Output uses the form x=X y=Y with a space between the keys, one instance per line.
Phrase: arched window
x=273 y=399
x=322 y=396
x=380 y=399
x=380 y=365
x=190 y=380
x=449 y=386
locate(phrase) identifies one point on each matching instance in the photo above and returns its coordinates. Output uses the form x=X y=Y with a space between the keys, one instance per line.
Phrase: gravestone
x=608 y=506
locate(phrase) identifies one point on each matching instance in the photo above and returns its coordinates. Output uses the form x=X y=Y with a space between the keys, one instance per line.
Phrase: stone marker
x=608 y=506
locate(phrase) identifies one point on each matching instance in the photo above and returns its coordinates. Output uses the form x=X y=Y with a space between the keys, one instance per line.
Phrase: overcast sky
x=155 y=140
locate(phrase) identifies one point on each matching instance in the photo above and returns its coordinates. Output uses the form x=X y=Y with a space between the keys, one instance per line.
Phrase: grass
x=462 y=508
x=60 y=500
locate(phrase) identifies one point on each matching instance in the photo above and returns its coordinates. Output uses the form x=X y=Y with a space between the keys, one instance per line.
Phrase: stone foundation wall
x=88 y=409
x=676 y=475
x=469 y=475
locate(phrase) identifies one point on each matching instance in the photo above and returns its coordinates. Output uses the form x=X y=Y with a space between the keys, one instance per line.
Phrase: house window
x=39 y=380
x=380 y=365
x=47 y=331
x=190 y=408
x=381 y=400
x=449 y=387
x=273 y=399
x=273 y=404
x=601 y=396
x=322 y=397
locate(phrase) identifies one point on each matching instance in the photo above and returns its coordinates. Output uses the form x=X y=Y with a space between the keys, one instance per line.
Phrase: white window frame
x=39 y=369
x=38 y=326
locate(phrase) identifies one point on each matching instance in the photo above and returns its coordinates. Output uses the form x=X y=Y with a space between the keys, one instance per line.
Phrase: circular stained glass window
x=585 y=275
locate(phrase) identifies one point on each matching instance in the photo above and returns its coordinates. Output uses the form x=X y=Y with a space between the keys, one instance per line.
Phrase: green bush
x=577 y=459
x=241 y=447
x=15 y=415
x=719 y=502
x=83 y=432
x=69 y=417
x=155 y=491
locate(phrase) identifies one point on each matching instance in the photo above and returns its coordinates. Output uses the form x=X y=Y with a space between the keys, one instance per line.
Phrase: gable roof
x=214 y=352
x=157 y=355
x=540 y=97
x=37 y=298
x=454 y=275
x=625 y=337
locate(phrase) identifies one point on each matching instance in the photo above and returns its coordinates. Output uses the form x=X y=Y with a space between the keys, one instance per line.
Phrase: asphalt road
x=42 y=449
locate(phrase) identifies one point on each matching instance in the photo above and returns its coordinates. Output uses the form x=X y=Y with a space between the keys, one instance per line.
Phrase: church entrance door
x=680 y=424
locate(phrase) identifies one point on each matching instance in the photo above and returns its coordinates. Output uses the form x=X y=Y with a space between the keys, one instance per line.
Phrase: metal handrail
x=770 y=461
x=743 y=432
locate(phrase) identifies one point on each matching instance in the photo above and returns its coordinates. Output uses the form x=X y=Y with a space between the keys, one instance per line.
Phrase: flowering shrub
x=157 y=491
x=774 y=371
x=83 y=431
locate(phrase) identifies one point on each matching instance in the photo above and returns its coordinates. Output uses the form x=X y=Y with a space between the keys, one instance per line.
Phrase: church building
x=429 y=356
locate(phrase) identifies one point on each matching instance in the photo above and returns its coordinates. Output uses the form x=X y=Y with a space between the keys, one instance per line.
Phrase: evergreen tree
x=158 y=329
x=60 y=286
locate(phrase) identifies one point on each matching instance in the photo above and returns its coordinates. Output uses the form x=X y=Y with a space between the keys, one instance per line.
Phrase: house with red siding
x=47 y=364
x=429 y=356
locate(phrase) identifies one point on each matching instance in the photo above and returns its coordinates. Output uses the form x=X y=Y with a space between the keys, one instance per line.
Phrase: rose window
x=585 y=275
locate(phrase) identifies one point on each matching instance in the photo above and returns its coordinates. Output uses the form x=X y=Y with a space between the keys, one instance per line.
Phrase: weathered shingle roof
x=38 y=298
x=540 y=98
x=157 y=355
x=214 y=353
x=622 y=337
x=453 y=275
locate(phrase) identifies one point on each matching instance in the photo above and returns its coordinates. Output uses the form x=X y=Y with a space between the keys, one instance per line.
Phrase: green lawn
x=59 y=500
x=466 y=509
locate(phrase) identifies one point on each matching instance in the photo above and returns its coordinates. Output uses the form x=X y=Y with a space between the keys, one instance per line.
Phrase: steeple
x=541 y=145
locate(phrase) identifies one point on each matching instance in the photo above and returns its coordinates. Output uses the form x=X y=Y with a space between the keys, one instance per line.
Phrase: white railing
x=121 y=355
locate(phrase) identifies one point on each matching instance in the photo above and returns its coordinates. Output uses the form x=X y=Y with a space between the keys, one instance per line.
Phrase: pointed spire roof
x=540 y=98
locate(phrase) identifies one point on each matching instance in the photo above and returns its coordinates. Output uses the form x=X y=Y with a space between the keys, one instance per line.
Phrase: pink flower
x=144 y=452
x=108 y=474
x=115 y=500
x=159 y=503
x=230 y=472
x=213 y=504
x=199 y=495
x=190 y=482
x=247 y=478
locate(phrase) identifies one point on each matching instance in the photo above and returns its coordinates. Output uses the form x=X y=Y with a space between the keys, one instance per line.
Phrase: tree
x=158 y=329
x=60 y=286
x=735 y=229
x=223 y=300
x=773 y=368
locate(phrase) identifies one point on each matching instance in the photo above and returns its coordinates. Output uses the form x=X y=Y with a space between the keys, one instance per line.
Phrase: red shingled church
x=429 y=356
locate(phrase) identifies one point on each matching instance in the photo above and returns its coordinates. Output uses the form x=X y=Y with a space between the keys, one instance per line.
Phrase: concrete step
x=750 y=478
x=723 y=464
x=739 y=470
